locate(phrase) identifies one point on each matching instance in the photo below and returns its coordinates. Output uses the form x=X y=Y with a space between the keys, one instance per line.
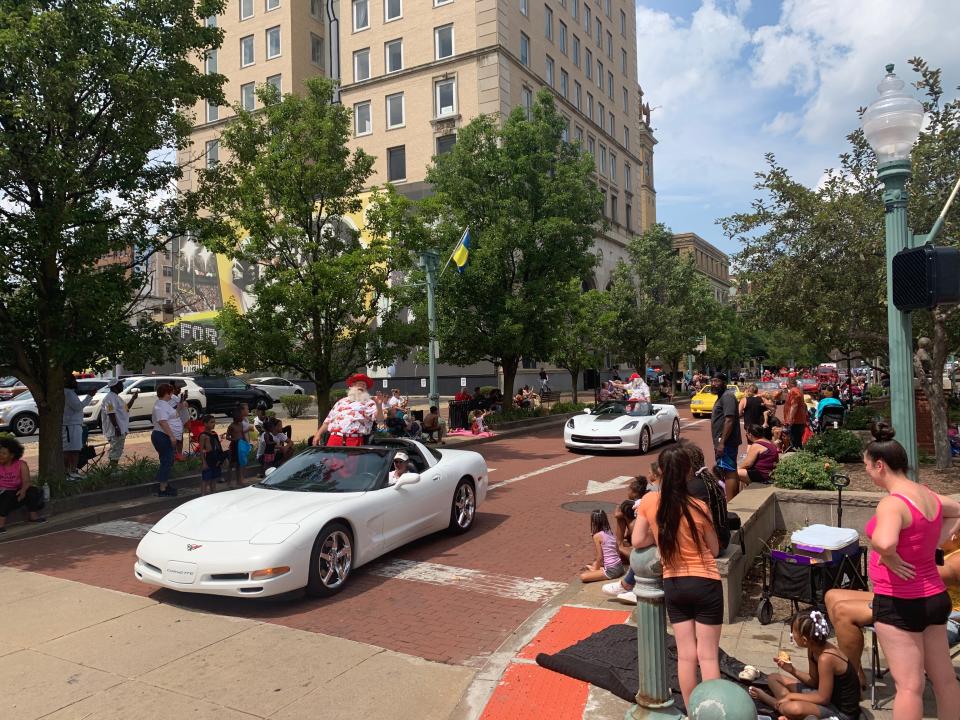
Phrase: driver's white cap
x=401 y=456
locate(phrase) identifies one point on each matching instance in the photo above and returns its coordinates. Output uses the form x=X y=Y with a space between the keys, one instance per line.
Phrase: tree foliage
x=533 y=210
x=89 y=91
x=663 y=304
x=282 y=200
x=589 y=327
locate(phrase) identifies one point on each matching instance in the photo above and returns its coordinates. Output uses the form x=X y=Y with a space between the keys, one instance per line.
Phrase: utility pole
x=430 y=262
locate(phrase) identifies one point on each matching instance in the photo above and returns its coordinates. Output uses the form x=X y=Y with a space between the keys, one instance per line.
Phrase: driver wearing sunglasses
x=400 y=467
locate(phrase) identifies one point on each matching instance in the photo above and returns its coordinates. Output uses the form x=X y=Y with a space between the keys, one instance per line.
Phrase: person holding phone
x=115 y=419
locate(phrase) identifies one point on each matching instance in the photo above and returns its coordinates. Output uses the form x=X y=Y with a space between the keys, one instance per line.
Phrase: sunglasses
x=399 y=462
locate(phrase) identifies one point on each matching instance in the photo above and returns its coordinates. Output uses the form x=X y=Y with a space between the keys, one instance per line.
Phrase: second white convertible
x=311 y=522
x=610 y=426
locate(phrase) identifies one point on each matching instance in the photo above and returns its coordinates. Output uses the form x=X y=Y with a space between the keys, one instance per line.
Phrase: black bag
x=215 y=456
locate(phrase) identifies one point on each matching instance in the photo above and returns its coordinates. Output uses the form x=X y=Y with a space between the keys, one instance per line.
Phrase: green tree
x=90 y=90
x=664 y=306
x=533 y=210
x=727 y=337
x=281 y=201
x=588 y=321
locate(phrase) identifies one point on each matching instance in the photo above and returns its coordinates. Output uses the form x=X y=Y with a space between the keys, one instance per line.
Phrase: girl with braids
x=830 y=688
x=682 y=528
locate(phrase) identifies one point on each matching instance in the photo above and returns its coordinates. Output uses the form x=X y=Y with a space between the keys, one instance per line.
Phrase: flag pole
x=454 y=251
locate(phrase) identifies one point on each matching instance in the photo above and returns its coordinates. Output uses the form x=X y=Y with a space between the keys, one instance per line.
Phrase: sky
x=731 y=80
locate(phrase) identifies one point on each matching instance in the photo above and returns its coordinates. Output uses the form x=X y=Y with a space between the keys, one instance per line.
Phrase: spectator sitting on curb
x=432 y=427
x=622 y=589
x=761 y=459
x=606 y=564
x=477 y=424
x=15 y=488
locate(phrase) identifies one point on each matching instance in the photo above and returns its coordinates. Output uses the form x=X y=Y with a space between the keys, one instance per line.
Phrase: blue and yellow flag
x=461 y=253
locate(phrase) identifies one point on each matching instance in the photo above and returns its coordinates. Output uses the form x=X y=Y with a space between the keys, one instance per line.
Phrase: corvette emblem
x=191 y=548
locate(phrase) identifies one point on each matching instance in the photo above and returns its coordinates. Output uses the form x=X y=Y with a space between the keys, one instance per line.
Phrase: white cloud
x=784 y=122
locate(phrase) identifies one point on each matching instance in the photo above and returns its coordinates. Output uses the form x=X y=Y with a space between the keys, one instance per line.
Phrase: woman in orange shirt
x=683 y=530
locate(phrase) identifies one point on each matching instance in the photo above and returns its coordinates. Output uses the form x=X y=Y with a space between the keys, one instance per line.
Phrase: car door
x=216 y=392
x=415 y=510
x=143 y=406
x=237 y=391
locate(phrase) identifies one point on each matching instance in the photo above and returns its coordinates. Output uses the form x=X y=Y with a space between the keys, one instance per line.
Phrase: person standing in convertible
x=353 y=418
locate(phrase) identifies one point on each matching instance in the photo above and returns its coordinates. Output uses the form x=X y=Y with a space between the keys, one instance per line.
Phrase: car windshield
x=25 y=395
x=330 y=471
x=9 y=381
x=619 y=408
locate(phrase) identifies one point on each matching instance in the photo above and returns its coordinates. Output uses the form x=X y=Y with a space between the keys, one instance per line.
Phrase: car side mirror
x=586 y=411
x=409 y=478
x=269 y=472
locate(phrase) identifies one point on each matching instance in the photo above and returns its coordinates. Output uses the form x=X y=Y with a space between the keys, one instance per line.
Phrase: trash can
x=458 y=412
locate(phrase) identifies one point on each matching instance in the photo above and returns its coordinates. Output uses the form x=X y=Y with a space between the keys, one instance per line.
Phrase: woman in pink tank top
x=15 y=488
x=910 y=602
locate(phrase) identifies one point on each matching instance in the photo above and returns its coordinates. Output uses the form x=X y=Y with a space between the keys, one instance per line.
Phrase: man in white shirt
x=396 y=400
x=400 y=467
x=178 y=401
x=115 y=420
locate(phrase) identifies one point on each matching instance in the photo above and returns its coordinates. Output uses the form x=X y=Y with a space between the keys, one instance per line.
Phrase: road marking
x=506 y=586
x=549 y=468
x=692 y=424
x=594 y=487
x=119 y=528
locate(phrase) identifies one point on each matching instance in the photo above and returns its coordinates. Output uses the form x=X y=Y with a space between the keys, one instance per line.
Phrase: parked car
x=145 y=388
x=89 y=387
x=20 y=415
x=10 y=387
x=313 y=521
x=276 y=387
x=224 y=393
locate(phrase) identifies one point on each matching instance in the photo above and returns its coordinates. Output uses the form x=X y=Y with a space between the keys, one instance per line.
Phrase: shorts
x=728 y=458
x=912 y=614
x=614 y=571
x=72 y=438
x=211 y=474
x=756 y=477
x=825 y=711
x=693 y=598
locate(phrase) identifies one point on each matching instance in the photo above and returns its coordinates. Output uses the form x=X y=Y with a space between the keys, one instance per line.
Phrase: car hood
x=602 y=421
x=15 y=405
x=239 y=515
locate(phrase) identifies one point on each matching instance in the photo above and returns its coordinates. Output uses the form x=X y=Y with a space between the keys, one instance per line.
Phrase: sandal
x=749 y=673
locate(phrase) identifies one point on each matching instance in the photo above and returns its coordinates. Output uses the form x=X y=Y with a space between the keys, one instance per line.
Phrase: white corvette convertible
x=307 y=525
x=610 y=427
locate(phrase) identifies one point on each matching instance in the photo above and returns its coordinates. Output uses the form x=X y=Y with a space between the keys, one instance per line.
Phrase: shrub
x=485 y=389
x=843 y=445
x=860 y=417
x=567 y=407
x=296 y=404
x=337 y=394
x=876 y=391
x=804 y=471
x=513 y=414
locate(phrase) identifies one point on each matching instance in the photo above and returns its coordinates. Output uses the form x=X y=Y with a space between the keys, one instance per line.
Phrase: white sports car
x=312 y=521
x=610 y=427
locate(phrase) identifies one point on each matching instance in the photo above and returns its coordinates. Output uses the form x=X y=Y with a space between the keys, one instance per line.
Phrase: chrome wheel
x=464 y=505
x=675 y=435
x=24 y=424
x=644 y=440
x=335 y=559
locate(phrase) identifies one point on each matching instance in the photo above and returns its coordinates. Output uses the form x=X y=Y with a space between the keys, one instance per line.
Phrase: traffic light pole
x=900 y=332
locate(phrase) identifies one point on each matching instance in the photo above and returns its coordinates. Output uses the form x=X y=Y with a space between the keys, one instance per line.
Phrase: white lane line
x=549 y=468
x=694 y=423
x=506 y=586
x=119 y=528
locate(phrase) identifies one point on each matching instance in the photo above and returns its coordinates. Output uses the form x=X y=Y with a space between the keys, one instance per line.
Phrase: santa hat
x=635 y=376
x=359 y=378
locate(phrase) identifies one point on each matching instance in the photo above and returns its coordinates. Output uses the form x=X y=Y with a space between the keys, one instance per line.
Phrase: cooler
x=820 y=545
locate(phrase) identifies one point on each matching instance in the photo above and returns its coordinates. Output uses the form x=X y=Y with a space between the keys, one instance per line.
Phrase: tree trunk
x=933 y=386
x=323 y=385
x=574 y=377
x=50 y=426
x=509 y=365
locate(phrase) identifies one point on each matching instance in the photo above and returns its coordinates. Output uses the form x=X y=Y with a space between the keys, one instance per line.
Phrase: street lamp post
x=430 y=262
x=892 y=125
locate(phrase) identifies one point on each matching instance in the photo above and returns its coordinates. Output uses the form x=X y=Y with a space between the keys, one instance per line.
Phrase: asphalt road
x=459 y=597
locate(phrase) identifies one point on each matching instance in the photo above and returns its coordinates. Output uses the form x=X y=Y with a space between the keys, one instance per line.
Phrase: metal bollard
x=654 y=699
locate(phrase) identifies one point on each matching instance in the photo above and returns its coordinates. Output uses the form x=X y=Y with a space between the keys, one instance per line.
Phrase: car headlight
x=569 y=423
x=630 y=425
x=274 y=534
x=168 y=522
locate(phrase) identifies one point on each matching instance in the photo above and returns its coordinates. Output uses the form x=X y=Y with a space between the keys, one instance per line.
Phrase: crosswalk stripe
x=119 y=528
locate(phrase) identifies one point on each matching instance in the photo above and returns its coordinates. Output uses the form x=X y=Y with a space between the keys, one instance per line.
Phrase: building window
x=626 y=137
x=575 y=10
x=623 y=61
x=316 y=50
x=443 y=41
x=392 y=10
x=210 y=65
x=548 y=23
x=610 y=85
x=273 y=42
x=578 y=95
x=213 y=153
x=549 y=71
x=623 y=23
x=600 y=75
x=614 y=212
x=526 y=99
x=611 y=120
x=591 y=145
x=445 y=143
x=361 y=14
x=599 y=33
x=363 y=120
x=590 y=105
x=606 y=7
x=272 y=5
x=213 y=111
x=613 y=166
x=274 y=81
x=212 y=21
x=316 y=9
x=576 y=51
x=248 y=96
x=603 y=191
x=246 y=51
x=601 y=115
x=246 y=9
x=629 y=211
x=586 y=19
x=524 y=50
x=588 y=64
x=397 y=163
x=438 y=3
x=446 y=97
x=563 y=38
x=565 y=133
x=626 y=99
x=609 y=45
x=578 y=134
x=393 y=55
x=564 y=83
x=361 y=65
x=395 y=110
x=524 y=8
x=603 y=159
x=628 y=176
x=168 y=287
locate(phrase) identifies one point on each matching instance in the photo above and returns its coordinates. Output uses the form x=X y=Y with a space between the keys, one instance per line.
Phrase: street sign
x=463 y=382
x=423 y=382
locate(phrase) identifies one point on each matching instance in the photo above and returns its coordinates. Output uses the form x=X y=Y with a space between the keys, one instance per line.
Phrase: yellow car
x=701 y=404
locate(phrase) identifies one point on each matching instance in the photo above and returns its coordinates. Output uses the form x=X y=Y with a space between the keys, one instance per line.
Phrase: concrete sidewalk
x=70 y=651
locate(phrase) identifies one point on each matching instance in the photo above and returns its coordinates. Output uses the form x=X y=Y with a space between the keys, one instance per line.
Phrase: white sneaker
x=628 y=597
x=612 y=588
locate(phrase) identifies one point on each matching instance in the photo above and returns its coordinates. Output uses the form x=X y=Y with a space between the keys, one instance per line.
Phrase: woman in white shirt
x=163 y=437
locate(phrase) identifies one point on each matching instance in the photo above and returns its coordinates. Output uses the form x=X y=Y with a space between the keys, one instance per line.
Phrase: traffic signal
x=925 y=277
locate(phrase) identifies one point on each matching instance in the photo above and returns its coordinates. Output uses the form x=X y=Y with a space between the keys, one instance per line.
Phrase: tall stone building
x=710 y=261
